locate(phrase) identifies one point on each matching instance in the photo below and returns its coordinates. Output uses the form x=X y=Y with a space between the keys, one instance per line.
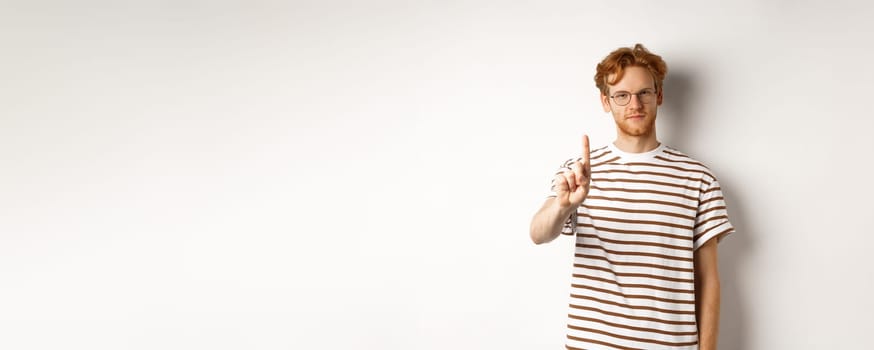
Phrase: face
x=635 y=118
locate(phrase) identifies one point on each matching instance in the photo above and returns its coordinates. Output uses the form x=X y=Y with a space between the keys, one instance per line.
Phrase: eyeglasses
x=645 y=96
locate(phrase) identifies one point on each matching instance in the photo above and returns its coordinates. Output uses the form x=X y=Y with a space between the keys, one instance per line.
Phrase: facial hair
x=637 y=130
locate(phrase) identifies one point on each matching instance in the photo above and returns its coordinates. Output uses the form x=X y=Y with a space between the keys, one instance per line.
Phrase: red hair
x=637 y=56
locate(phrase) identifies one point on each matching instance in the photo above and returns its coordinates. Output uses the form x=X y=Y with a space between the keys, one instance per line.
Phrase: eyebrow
x=638 y=91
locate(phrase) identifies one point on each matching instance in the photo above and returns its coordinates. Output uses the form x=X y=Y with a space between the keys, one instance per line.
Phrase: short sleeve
x=711 y=219
x=570 y=223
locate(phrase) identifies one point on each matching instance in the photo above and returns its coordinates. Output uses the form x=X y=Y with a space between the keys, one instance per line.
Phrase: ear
x=659 y=97
x=605 y=102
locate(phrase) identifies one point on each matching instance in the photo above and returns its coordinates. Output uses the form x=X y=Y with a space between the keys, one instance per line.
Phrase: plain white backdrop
x=361 y=174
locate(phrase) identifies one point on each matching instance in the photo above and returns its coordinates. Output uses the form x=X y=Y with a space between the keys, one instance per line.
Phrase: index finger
x=585 y=149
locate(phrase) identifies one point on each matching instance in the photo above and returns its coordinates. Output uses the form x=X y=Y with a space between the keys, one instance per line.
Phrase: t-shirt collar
x=625 y=156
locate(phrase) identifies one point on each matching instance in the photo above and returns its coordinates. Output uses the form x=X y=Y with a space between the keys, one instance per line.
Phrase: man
x=646 y=218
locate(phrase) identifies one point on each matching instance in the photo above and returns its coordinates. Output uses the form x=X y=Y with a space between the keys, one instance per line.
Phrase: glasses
x=645 y=96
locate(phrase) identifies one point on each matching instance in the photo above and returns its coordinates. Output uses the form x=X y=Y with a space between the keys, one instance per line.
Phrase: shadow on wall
x=733 y=251
x=679 y=90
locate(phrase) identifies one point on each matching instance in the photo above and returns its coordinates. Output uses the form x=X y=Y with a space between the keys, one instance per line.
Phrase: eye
x=621 y=95
x=646 y=93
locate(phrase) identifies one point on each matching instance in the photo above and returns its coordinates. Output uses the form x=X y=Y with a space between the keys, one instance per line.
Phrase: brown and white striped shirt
x=633 y=276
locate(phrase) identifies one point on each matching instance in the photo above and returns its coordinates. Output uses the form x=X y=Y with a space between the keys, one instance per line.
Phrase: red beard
x=637 y=127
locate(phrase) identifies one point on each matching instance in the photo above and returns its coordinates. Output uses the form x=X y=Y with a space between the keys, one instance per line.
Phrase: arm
x=571 y=188
x=707 y=294
x=547 y=223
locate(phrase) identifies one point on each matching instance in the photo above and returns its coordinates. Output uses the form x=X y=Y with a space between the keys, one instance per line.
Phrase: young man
x=646 y=219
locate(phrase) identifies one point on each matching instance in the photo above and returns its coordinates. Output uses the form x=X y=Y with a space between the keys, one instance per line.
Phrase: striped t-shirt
x=633 y=276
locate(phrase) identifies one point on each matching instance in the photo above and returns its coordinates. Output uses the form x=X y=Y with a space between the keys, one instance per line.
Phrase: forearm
x=708 y=301
x=548 y=221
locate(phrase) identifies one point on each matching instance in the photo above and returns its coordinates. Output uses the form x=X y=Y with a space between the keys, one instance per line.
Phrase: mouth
x=635 y=117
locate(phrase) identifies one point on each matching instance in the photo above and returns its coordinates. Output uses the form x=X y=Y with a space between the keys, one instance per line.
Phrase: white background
x=336 y=175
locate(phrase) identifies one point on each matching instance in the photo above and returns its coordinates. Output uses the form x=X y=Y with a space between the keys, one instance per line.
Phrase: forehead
x=634 y=79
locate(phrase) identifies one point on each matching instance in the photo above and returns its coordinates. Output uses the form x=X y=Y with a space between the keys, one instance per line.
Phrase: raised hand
x=572 y=186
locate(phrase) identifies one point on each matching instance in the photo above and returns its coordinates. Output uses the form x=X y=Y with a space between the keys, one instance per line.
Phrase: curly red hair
x=637 y=56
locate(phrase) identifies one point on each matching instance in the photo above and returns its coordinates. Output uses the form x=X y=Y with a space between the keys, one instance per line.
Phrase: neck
x=636 y=144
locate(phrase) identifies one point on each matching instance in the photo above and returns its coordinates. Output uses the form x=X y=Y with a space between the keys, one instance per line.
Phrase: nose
x=635 y=102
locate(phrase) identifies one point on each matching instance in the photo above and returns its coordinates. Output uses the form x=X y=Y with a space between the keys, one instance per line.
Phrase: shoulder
x=594 y=154
x=601 y=155
x=677 y=158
